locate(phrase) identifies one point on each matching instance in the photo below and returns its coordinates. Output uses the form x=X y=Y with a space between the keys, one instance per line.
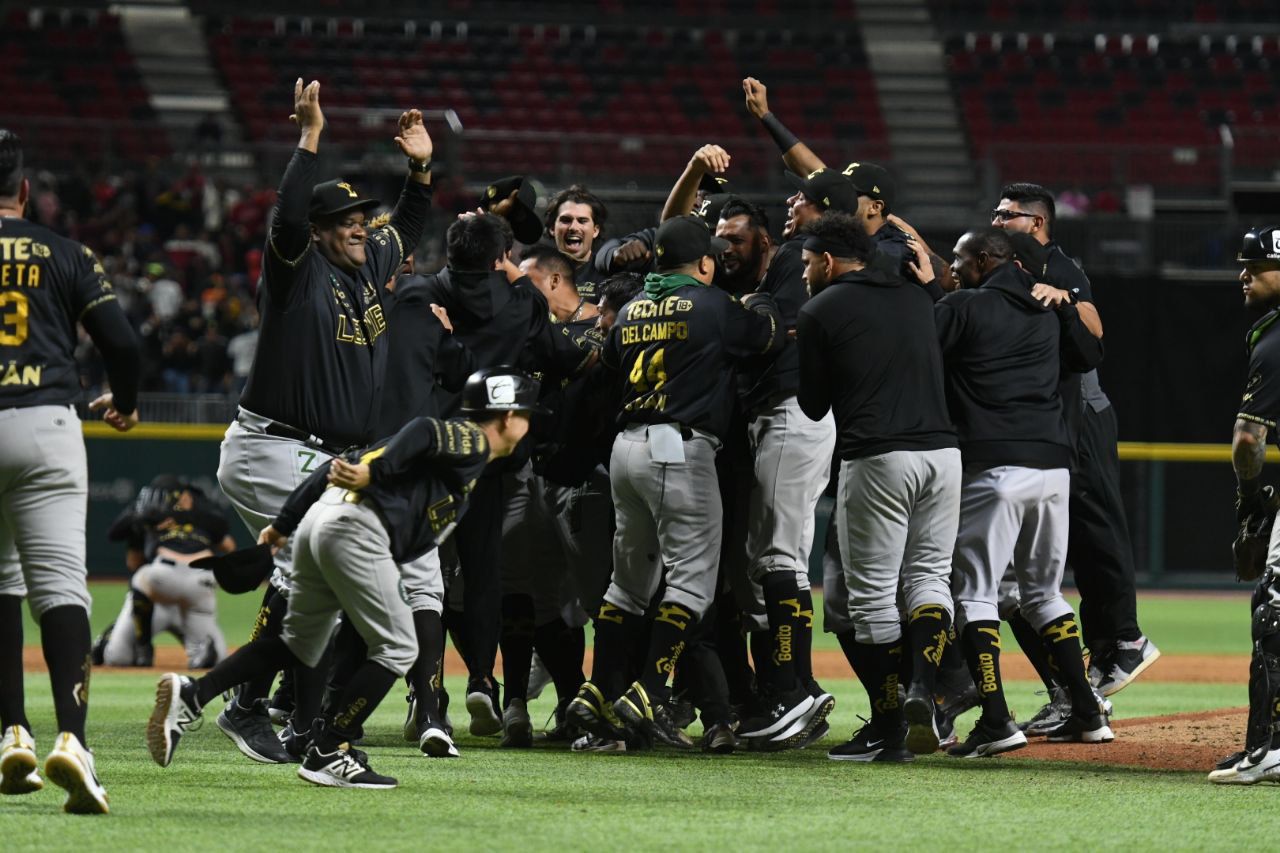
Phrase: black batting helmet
x=1260 y=244
x=504 y=388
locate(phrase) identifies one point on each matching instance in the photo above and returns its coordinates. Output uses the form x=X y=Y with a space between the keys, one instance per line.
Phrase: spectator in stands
x=165 y=293
x=240 y=350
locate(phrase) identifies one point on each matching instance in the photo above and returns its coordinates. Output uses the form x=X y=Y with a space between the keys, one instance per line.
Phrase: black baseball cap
x=711 y=206
x=1260 y=244
x=684 y=239
x=828 y=189
x=239 y=571
x=504 y=388
x=712 y=184
x=872 y=180
x=337 y=196
x=525 y=223
x=1030 y=252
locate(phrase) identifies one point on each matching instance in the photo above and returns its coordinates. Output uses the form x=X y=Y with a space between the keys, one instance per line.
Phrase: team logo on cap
x=350 y=190
x=848 y=172
x=814 y=174
x=1275 y=241
x=501 y=390
x=660 y=249
x=492 y=191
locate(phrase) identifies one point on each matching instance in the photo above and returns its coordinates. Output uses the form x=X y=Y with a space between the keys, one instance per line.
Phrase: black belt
x=280 y=430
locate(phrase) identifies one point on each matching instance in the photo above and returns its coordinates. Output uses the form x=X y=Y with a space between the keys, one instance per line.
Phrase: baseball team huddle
x=633 y=433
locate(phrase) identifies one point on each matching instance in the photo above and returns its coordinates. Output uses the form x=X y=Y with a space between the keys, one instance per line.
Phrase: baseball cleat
x=1261 y=765
x=819 y=732
x=70 y=767
x=593 y=743
x=175 y=712
x=1053 y=714
x=1126 y=662
x=775 y=712
x=867 y=745
x=18 y=773
x=250 y=730
x=799 y=733
x=482 y=704
x=592 y=713
x=988 y=739
x=922 y=727
x=636 y=709
x=517 y=728
x=342 y=768
x=435 y=741
x=1082 y=728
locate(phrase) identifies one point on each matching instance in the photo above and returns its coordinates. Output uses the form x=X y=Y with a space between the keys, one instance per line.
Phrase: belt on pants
x=686 y=433
x=279 y=430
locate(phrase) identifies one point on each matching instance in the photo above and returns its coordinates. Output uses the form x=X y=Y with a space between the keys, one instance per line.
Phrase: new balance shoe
x=594 y=743
x=435 y=742
x=1261 y=765
x=592 y=713
x=482 y=704
x=1126 y=662
x=1082 y=728
x=342 y=768
x=988 y=739
x=774 y=712
x=868 y=744
x=517 y=728
x=922 y=727
x=250 y=730
x=70 y=767
x=176 y=711
x=1053 y=714
x=18 y=774
x=635 y=708
x=720 y=739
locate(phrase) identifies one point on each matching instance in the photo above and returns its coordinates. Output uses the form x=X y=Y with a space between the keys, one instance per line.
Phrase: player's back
x=47 y=283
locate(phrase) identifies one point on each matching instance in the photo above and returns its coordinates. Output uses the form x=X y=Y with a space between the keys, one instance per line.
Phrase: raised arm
x=708 y=158
x=289 y=234
x=795 y=154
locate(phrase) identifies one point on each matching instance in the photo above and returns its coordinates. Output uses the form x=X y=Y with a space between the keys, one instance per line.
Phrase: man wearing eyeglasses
x=1098 y=549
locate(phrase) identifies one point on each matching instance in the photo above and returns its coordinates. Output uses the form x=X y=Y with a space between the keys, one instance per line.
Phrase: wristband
x=783 y=138
x=421 y=167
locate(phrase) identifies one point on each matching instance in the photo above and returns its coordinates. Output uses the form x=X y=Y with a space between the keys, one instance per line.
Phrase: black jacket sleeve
x=604 y=256
x=1081 y=351
x=297 y=504
x=111 y=333
x=454 y=363
x=289 y=235
x=422 y=439
x=815 y=396
x=948 y=317
x=753 y=328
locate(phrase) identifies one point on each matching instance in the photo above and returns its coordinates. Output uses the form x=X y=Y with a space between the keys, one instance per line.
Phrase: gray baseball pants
x=186 y=603
x=896 y=516
x=44 y=488
x=1010 y=515
x=342 y=563
x=668 y=515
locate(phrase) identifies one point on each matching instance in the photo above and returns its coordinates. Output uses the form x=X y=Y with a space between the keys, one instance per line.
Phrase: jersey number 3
x=13 y=318
x=652 y=376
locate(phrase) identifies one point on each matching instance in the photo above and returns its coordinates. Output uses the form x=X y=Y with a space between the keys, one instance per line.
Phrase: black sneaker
x=295 y=744
x=483 y=704
x=683 y=712
x=1089 y=727
x=144 y=655
x=719 y=739
x=517 y=728
x=1231 y=760
x=98 y=652
x=798 y=733
x=442 y=702
x=342 y=768
x=637 y=709
x=775 y=712
x=563 y=731
x=819 y=732
x=922 y=726
x=410 y=730
x=281 y=704
x=1125 y=663
x=592 y=713
x=988 y=739
x=250 y=730
x=176 y=712
x=867 y=744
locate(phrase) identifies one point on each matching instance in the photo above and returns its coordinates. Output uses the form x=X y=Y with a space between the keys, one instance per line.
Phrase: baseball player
x=170 y=525
x=868 y=350
x=1256 y=421
x=674 y=351
x=355 y=523
x=574 y=220
x=317 y=378
x=1003 y=349
x=1098 y=549
x=48 y=286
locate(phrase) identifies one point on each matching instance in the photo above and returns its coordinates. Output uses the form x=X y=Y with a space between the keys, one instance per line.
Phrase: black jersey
x=567 y=443
x=48 y=284
x=1261 y=400
x=674 y=355
x=766 y=380
x=322 y=350
x=587 y=277
x=421 y=478
x=188 y=531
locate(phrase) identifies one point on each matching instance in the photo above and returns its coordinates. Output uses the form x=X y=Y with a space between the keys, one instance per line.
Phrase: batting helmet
x=1261 y=244
x=504 y=388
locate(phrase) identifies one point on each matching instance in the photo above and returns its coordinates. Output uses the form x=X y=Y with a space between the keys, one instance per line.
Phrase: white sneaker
x=1261 y=765
x=436 y=743
x=70 y=766
x=18 y=762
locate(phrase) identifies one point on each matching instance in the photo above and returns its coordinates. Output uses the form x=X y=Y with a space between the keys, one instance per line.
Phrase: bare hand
x=113 y=418
x=899 y=222
x=414 y=141
x=347 y=475
x=1050 y=296
x=504 y=207
x=757 y=97
x=712 y=158
x=443 y=316
x=921 y=267
x=509 y=269
x=631 y=252
x=306 y=107
x=274 y=538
